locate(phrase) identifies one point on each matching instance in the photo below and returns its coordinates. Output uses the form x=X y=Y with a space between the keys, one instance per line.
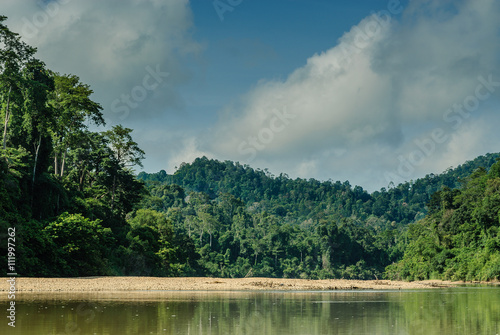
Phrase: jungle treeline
x=79 y=209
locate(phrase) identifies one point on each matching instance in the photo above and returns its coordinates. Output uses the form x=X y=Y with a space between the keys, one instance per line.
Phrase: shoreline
x=114 y=284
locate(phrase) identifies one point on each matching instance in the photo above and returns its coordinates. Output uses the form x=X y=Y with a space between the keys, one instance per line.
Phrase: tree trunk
x=113 y=193
x=82 y=176
x=56 y=172
x=63 y=161
x=34 y=168
x=7 y=116
x=36 y=156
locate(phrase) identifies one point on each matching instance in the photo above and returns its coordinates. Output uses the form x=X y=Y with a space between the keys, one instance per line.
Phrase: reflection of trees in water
x=253 y=323
x=439 y=311
x=472 y=310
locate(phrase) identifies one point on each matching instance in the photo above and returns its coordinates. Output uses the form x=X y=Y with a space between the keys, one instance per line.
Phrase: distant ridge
x=403 y=203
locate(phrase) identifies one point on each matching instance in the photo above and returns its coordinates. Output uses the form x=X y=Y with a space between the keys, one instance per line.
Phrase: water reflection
x=447 y=311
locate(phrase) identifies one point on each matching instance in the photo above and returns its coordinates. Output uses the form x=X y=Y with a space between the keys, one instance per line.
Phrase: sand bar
x=113 y=284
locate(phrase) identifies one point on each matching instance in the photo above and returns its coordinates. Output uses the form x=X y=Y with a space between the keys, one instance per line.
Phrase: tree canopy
x=79 y=209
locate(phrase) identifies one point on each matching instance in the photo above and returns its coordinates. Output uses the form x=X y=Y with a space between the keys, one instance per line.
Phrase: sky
x=374 y=92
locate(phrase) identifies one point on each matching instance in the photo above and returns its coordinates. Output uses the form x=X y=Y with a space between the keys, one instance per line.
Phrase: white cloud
x=110 y=45
x=350 y=113
x=370 y=97
x=187 y=154
x=475 y=136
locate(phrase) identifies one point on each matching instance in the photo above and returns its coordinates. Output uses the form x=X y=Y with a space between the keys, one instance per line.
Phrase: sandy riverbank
x=102 y=284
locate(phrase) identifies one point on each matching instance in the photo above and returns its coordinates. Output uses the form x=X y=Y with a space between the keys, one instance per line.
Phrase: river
x=463 y=310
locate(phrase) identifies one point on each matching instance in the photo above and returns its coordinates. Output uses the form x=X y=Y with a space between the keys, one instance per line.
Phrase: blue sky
x=265 y=40
x=365 y=91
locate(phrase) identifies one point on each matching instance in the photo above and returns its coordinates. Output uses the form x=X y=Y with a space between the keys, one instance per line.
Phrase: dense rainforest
x=79 y=209
x=249 y=222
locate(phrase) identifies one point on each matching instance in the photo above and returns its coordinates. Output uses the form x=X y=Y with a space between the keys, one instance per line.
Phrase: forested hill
x=305 y=199
x=70 y=200
x=460 y=237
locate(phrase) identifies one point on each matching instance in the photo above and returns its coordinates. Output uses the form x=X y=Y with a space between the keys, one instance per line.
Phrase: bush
x=80 y=245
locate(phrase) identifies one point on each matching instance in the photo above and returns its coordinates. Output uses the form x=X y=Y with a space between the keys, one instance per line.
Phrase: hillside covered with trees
x=278 y=226
x=65 y=190
x=78 y=208
x=460 y=238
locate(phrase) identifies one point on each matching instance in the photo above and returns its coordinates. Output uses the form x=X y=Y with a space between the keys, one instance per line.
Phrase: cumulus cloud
x=359 y=111
x=113 y=46
x=356 y=110
x=187 y=152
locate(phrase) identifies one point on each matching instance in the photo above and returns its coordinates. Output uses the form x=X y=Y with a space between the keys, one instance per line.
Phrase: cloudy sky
x=368 y=91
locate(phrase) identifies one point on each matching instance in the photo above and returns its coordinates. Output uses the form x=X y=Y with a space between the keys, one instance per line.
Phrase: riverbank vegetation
x=79 y=209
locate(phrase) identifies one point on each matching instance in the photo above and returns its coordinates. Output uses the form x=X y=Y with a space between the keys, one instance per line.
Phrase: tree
x=38 y=119
x=14 y=55
x=154 y=247
x=98 y=176
x=125 y=149
x=73 y=106
x=127 y=154
x=82 y=244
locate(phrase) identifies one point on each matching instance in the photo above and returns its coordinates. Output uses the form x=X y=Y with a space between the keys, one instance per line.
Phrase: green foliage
x=306 y=199
x=246 y=221
x=459 y=240
x=154 y=248
x=52 y=165
x=126 y=151
x=79 y=210
x=80 y=245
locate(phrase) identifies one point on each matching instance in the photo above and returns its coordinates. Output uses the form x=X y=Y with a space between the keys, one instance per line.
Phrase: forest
x=79 y=208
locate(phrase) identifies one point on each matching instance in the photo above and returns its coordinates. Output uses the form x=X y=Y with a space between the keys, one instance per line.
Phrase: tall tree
x=14 y=55
x=72 y=103
x=126 y=152
x=38 y=119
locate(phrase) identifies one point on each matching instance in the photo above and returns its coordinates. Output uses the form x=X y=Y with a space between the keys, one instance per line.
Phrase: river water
x=465 y=310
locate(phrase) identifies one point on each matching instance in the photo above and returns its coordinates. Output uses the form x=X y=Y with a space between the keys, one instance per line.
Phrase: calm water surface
x=471 y=310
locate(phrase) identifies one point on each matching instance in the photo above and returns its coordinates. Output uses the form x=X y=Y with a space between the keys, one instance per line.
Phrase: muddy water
x=470 y=310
